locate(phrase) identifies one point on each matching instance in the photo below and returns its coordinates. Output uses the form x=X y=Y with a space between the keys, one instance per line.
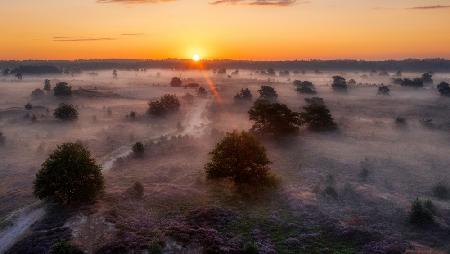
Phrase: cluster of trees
x=444 y=88
x=305 y=87
x=243 y=95
x=62 y=89
x=70 y=175
x=66 y=112
x=339 y=83
x=416 y=82
x=167 y=104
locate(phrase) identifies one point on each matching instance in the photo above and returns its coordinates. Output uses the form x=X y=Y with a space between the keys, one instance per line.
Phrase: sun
x=196 y=57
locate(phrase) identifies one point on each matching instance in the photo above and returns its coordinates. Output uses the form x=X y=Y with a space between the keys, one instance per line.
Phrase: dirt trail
x=20 y=221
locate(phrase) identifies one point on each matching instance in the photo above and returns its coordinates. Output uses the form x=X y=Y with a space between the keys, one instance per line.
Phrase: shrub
x=166 y=104
x=267 y=93
x=175 y=82
x=69 y=175
x=444 y=88
x=28 y=106
x=339 y=83
x=201 y=92
x=47 y=85
x=421 y=212
x=243 y=95
x=138 y=149
x=37 y=93
x=273 y=118
x=317 y=115
x=383 y=90
x=305 y=87
x=63 y=247
x=441 y=191
x=427 y=77
x=132 y=115
x=62 y=89
x=66 y=112
x=241 y=157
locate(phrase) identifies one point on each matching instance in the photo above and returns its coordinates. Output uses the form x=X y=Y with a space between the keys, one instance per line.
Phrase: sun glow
x=196 y=57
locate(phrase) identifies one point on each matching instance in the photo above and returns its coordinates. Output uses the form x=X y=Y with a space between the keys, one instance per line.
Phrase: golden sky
x=232 y=29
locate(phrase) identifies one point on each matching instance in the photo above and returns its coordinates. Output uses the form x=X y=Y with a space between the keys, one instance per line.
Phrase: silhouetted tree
x=6 y=71
x=201 y=92
x=166 y=104
x=417 y=82
x=427 y=77
x=28 y=106
x=114 y=73
x=47 y=85
x=241 y=157
x=383 y=90
x=66 y=112
x=339 y=83
x=317 y=115
x=243 y=95
x=2 y=138
x=267 y=93
x=305 y=87
x=138 y=149
x=441 y=191
x=37 y=93
x=62 y=89
x=69 y=175
x=176 y=82
x=444 y=88
x=273 y=118
x=19 y=76
x=192 y=85
x=421 y=212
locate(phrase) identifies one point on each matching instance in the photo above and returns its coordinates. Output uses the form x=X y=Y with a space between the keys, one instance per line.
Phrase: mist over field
x=349 y=190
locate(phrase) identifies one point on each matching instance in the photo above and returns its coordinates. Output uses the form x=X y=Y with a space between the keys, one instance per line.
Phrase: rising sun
x=196 y=57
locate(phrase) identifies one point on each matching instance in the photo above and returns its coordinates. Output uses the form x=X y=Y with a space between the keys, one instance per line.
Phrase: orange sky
x=286 y=29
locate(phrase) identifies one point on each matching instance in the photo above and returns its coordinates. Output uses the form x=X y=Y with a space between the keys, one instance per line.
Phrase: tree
x=339 y=83
x=2 y=138
x=176 y=82
x=28 y=106
x=421 y=212
x=138 y=149
x=317 y=115
x=444 y=88
x=239 y=156
x=19 y=76
x=273 y=118
x=37 y=93
x=383 y=90
x=47 y=85
x=305 y=87
x=66 y=112
x=166 y=104
x=69 y=175
x=427 y=77
x=267 y=93
x=441 y=191
x=243 y=95
x=417 y=82
x=62 y=89
x=114 y=74
x=201 y=92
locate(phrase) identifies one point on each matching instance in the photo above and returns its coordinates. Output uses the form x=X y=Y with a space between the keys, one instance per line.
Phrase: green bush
x=66 y=112
x=273 y=118
x=69 y=175
x=241 y=157
x=421 y=212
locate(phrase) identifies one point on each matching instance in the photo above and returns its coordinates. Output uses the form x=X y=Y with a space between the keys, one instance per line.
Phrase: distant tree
x=201 y=92
x=132 y=115
x=47 y=85
x=114 y=73
x=37 y=93
x=397 y=81
x=273 y=118
x=421 y=213
x=383 y=90
x=222 y=71
x=166 y=104
x=28 y=106
x=267 y=93
x=441 y=191
x=66 y=112
x=398 y=73
x=305 y=87
x=243 y=95
x=339 y=83
x=69 y=175
x=271 y=72
x=417 y=82
x=176 y=82
x=240 y=157
x=283 y=73
x=62 y=89
x=138 y=149
x=427 y=77
x=351 y=82
x=19 y=76
x=317 y=116
x=2 y=138
x=6 y=71
x=444 y=88
x=192 y=85
x=64 y=247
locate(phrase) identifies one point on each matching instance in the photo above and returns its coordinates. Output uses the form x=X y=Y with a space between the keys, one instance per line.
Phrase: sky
x=224 y=29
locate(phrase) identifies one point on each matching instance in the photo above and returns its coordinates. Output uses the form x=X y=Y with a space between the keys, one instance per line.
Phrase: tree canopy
x=66 y=112
x=243 y=95
x=317 y=115
x=62 y=89
x=305 y=87
x=168 y=103
x=339 y=83
x=69 y=175
x=267 y=93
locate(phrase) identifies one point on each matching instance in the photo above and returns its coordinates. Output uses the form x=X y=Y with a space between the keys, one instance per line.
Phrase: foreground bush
x=317 y=115
x=444 y=88
x=273 y=118
x=166 y=104
x=66 y=112
x=421 y=212
x=239 y=156
x=69 y=175
x=62 y=89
